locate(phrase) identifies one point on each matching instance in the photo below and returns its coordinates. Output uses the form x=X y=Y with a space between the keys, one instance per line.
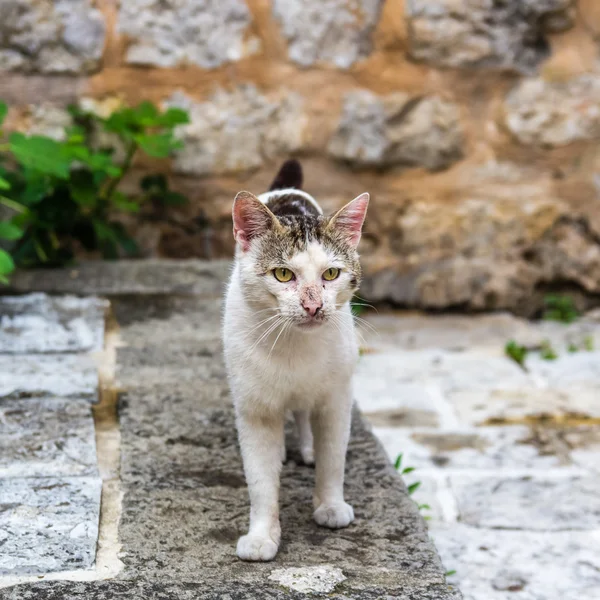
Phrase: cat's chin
x=310 y=325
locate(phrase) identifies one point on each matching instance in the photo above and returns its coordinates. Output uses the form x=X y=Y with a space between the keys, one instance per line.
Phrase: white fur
x=274 y=368
x=264 y=198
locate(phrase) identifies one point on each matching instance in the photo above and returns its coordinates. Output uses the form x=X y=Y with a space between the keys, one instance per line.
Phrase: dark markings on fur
x=279 y=245
x=289 y=176
x=291 y=205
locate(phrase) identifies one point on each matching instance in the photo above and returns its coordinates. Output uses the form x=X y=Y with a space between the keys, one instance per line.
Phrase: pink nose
x=312 y=307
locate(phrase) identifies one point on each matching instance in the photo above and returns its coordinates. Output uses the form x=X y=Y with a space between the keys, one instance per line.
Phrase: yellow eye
x=331 y=274
x=282 y=274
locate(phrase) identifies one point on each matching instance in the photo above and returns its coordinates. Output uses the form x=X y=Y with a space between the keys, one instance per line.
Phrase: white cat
x=290 y=345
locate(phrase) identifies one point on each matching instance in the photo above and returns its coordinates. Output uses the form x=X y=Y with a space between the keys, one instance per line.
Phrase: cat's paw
x=256 y=548
x=334 y=516
x=308 y=455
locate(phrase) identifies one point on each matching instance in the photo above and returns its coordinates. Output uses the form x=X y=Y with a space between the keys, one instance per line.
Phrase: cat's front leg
x=261 y=441
x=331 y=428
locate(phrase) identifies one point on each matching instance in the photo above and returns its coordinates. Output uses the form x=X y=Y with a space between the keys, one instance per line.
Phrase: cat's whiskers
x=286 y=323
x=261 y=323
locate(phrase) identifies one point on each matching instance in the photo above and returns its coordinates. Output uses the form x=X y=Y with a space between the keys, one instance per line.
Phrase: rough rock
x=398 y=130
x=26 y=375
x=530 y=503
x=551 y=565
x=46 y=437
x=125 y=277
x=48 y=524
x=490 y=246
x=554 y=113
x=64 y=36
x=207 y=33
x=332 y=31
x=502 y=35
x=38 y=323
x=238 y=130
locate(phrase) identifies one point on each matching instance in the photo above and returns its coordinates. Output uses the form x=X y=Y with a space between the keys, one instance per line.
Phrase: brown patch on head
x=296 y=232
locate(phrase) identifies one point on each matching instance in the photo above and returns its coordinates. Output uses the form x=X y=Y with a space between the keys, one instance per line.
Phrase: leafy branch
x=62 y=195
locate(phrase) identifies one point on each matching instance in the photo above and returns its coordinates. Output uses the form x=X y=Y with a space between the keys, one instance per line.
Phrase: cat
x=289 y=344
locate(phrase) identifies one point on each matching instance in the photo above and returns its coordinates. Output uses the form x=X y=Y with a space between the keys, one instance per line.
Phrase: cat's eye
x=331 y=274
x=282 y=274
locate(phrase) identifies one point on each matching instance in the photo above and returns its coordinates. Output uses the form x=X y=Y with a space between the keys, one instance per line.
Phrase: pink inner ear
x=250 y=219
x=350 y=219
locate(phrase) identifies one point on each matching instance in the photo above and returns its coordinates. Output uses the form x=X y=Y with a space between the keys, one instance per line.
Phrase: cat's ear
x=348 y=221
x=251 y=218
x=289 y=176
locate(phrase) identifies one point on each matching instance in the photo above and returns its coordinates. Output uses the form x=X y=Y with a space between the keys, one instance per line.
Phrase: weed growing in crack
x=560 y=308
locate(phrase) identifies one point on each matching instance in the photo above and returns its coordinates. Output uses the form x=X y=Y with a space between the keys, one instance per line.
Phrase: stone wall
x=473 y=124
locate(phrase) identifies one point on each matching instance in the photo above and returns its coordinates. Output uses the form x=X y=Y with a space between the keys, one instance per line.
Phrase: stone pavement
x=173 y=493
x=508 y=459
x=50 y=485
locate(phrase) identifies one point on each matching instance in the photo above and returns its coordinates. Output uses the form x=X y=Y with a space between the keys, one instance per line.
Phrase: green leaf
x=413 y=487
x=407 y=470
x=40 y=154
x=423 y=507
x=516 y=352
x=4 y=185
x=173 y=117
x=123 y=203
x=7 y=265
x=3 y=111
x=83 y=188
x=9 y=231
x=450 y=573
x=398 y=462
x=157 y=145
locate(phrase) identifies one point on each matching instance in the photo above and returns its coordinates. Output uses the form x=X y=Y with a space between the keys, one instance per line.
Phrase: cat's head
x=303 y=268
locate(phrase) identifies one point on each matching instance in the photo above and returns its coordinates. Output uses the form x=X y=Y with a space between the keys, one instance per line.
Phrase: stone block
x=330 y=31
x=27 y=375
x=238 y=130
x=497 y=565
x=508 y=447
x=535 y=503
x=554 y=113
x=48 y=524
x=207 y=33
x=46 y=437
x=506 y=35
x=527 y=405
x=64 y=36
x=38 y=323
x=388 y=403
x=385 y=131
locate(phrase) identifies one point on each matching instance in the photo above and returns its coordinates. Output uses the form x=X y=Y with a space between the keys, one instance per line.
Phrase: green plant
x=588 y=343
x=405 y=471
x=516 y=352
x=450 y=573
x=560 y=308
x=547 y=352
x=62 y=195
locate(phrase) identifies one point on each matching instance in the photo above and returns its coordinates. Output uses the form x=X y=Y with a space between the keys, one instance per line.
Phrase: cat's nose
x=312 y=307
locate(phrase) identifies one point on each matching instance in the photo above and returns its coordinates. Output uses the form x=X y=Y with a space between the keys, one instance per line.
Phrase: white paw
x=255 y=548
x=334 y=516
x=308 y=455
